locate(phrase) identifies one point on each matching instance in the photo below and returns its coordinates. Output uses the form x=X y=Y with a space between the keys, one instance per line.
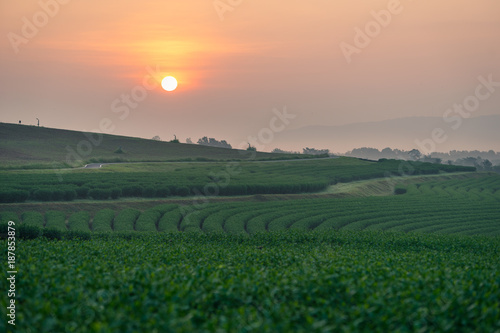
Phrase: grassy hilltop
x=37 y=147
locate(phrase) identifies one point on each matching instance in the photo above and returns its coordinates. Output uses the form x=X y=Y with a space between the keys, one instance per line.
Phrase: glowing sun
x=169 y=83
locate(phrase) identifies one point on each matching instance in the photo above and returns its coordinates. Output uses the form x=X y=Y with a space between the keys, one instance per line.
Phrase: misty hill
x=479 y=133
x=22 y=145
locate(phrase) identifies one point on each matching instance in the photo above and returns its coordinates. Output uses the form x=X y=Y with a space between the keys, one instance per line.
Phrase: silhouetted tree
x=214 y=143
x=251 y=148
x=175 y=139
x=281 y=151
x=387 y=153
x=314 y=151
x=487 y=165
x=429 y=159
x=468 y=161
x=415 y=154
x=369 y=153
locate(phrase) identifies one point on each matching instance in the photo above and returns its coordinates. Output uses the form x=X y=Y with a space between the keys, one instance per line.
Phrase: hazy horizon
x=70 y=64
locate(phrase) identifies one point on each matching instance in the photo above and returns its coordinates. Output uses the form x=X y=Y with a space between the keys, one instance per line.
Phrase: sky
x=97 y=65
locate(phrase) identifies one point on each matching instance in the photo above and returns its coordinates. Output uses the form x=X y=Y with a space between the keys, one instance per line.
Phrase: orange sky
x=233 y=72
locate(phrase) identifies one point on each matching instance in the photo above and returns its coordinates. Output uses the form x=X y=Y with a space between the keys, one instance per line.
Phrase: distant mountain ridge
x=478 y=133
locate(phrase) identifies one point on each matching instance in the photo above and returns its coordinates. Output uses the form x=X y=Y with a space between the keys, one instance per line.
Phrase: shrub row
x=53 y=195
x=14 y=196
x=33 y=218
x=150 y=192
x=148 y=220
x=125 y=220
x=79 y=221
x=104 y=194
x=28 y=231
x=103 y=220
x=55 y=219
x=169 y=222
x=8 y=216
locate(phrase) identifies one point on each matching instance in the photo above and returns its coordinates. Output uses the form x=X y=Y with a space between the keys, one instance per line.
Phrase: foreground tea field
x=273 y=282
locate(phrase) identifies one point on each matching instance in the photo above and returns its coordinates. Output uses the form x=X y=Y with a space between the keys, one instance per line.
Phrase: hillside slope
x=30 y=146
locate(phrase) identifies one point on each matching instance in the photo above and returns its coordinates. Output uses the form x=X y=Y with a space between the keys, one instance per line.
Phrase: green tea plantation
x=334 y=281
x=336 y=245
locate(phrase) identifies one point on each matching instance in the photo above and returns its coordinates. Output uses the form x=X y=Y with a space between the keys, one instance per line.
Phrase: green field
x=317 y=245
x=163 y=180
x=464 y=206
x=274 y=282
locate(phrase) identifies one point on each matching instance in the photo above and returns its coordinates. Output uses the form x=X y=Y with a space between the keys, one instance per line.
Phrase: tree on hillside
x=366 y=152
x=156 y=138
x=468 y=161
x=487 y=165
x=251 y=148
x=205 y=141
x=429 y=159
x=174 y=140
x=281 y=151
x=415 y=154
x=314 y=151
x=389 y=153
x=188 y=140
